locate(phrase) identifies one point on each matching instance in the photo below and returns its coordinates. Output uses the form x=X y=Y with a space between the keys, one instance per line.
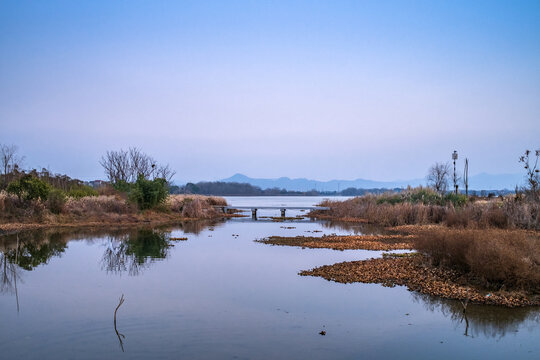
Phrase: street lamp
x=454 y=158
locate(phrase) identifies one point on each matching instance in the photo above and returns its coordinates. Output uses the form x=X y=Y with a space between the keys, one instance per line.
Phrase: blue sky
x=317 y=89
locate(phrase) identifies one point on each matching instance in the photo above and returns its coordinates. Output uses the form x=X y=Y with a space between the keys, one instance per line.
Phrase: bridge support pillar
x=282 y=212
x=254 y=213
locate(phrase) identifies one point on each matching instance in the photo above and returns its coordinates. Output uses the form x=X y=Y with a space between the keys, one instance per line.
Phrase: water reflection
x=355 y=227
x=28 y=250
x=127 y=250
x=485 y=320
x=9 y=274
x=136 y=251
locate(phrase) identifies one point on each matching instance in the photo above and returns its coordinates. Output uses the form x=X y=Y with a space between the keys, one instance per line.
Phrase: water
x=220 y=295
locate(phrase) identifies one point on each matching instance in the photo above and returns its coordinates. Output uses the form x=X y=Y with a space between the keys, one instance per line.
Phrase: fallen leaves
x=345 y=242
x=415 y=272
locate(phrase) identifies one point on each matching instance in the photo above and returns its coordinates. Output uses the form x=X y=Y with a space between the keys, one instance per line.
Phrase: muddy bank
x=415 y=272
x=348 y=242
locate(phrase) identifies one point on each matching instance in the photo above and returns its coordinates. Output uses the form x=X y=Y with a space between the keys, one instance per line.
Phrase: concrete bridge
x=283 y=209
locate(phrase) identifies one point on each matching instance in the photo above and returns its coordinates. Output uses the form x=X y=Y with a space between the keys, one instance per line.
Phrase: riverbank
x=415 y=272
x=421 y=206
x=499 y=267
x=110 y=211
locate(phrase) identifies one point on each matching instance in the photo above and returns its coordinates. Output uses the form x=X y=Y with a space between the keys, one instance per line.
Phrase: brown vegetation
x=412 y=272
x=493 y=259
x=499 y=266
x=505 y=213
x=18 y=214
x=349 y=242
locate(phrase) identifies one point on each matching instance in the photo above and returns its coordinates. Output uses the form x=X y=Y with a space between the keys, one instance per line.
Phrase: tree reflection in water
x=486 y=320
x=136 y=251
x=26 y=251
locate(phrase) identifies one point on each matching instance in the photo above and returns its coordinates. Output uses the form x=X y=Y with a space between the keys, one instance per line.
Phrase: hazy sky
x=317 y=89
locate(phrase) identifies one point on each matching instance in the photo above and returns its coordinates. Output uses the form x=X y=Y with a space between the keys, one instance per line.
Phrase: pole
x=454 y=158
x=466 y=177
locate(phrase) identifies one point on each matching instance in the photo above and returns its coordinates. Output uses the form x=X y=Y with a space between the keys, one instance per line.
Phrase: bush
x=81 y=191
x=148 y=193
x=124 y=186
x=458 y=200
x=56 y=201
x=495 y=258
x=29 y=188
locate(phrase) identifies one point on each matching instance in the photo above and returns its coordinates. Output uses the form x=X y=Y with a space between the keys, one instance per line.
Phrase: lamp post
x=454 y=158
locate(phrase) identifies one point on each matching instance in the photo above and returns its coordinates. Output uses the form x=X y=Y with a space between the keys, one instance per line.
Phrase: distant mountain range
x=481 y=181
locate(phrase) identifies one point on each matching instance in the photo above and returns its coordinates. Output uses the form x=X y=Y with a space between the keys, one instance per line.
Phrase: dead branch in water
x=464 y=304
x=120 y=336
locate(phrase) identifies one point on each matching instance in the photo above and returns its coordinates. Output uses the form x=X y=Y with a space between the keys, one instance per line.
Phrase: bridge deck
x=275 y=207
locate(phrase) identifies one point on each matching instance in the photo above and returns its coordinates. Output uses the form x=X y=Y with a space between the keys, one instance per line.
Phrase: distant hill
x=303 y=184
x=481 y=181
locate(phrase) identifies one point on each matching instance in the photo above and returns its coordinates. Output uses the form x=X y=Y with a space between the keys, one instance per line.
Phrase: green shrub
x=458 y=200
x=29 y=188
x=56 y=201
x=122 y=186
x=425 y=196
x=81 y=191
x=148 y=193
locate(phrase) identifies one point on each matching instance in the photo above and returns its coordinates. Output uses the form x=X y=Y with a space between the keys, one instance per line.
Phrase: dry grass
x=13 y=209
x=367 y=209
x=506 y=213
x=494 y=259
x=195 y=206
x=106 y=209
x=98 y=205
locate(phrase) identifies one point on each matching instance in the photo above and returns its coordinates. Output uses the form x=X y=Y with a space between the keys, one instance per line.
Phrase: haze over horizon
x=315 y=89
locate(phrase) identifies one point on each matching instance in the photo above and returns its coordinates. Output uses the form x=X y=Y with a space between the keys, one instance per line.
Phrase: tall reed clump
x=195 y=206
x=495 y=259
x=419 y=206
x=97 y=205
x=383 y=213
x=12 y=208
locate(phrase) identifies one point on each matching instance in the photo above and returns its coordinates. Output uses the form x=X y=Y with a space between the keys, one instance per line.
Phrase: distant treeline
x=244 y=189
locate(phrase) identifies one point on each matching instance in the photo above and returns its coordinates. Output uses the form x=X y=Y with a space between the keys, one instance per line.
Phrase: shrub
x=56 y=201
x=457 y=200
x=148 y=193
x=81 y=191
x=495 y=258
x=29 y=188
x=123 y=186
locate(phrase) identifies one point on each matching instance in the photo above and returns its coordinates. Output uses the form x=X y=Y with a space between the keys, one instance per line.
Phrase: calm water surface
x=220 y=295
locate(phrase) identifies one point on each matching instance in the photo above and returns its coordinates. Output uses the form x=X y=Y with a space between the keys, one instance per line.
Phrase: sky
x=318 y=89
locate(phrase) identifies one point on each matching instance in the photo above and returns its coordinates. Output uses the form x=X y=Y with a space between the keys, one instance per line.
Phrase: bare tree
x=533 y=178
x=438 y=176
x=9 y=160
x=164 y=172
x=129 y=165
x=116 y=165
x=140 y=164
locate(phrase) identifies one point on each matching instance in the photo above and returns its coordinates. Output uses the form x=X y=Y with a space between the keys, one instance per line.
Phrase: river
x=220 y=295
